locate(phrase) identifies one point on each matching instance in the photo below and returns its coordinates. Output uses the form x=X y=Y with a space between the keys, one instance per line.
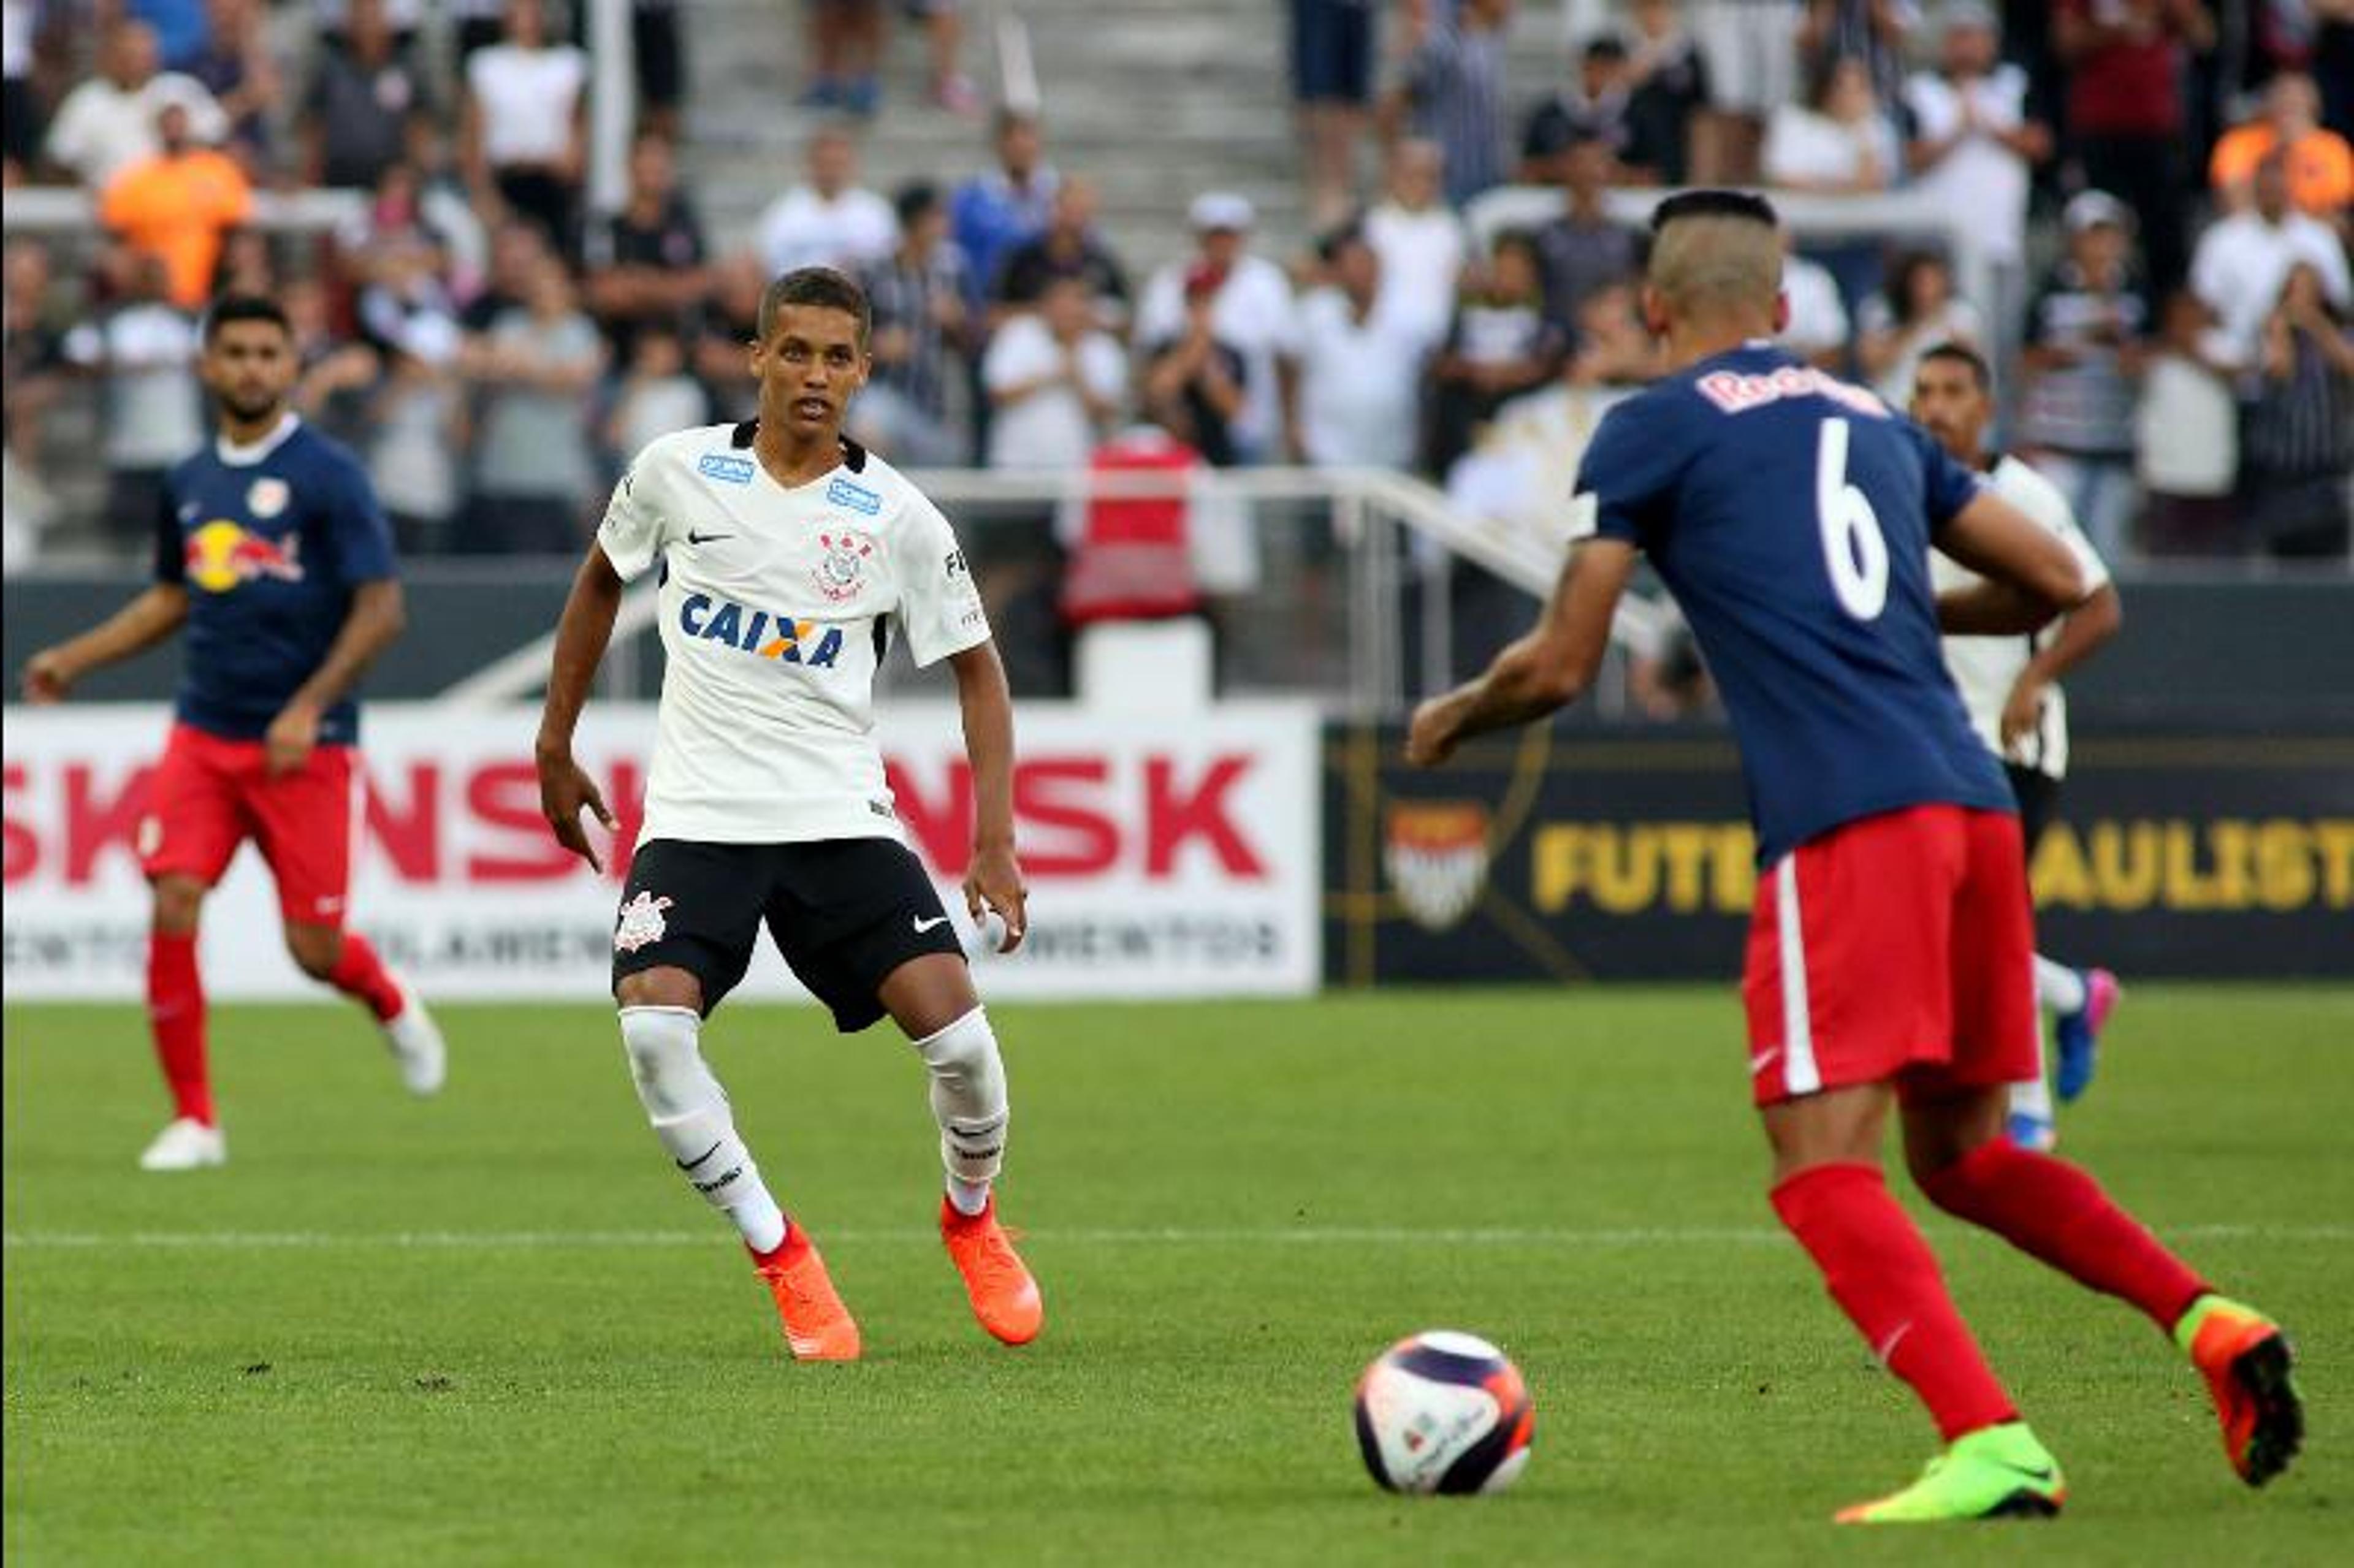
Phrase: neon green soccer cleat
x=1999 y=1472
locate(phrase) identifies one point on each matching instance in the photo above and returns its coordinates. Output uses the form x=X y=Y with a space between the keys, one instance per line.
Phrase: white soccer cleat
x=185 y=1144
x=416 y=1044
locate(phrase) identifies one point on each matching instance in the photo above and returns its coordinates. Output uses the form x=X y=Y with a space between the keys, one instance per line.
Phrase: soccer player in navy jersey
x=1890 y=958
x=270 y=550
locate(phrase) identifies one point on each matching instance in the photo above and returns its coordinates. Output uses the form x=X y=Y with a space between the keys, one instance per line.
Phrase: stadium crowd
x=2162 y=188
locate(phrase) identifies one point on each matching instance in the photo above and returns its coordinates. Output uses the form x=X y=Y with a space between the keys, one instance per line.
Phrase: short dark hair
x=916 y=199
x=1714 y=203
x=1604 y=46
x=244 y=308
x=819 y=286
x=1962 y=354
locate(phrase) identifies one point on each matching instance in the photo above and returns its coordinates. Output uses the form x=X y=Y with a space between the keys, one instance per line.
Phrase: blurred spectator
x=1915 y=309
x=1131 y=556
x=2126 y=119
x=1670 y=82
x=2083 y=356
x=526 y=123
x=1872 y=31
x=533 y=470
x=1195 y=383
x=405 y=304
x=405 y=17
x=1593 y=106
x=416 y=439
x=1752 y=49
x=235 y=67
x=21 y=122
x=362 y=96
x=658 y=52
x=2243 y=260
x=1252 y=310
x=1818 y=327
x=481 y=25
x=176 y=204
x=1333 y=54
x=731 y=320
x=1454 y=89
x=1069 y=247
x=446 y=208
x=1420 y=239
x=2185 y=437
x=995 y=211
x=35 y=352
x=1359 y=369
x=1839 y=142
x=108 y=124
x=2297 y=454
x=943 y=22
x=845 y=46
x=180 y=28
x=337 y=373
x=918 y=298
x=1975 y=145
x=1614 y=347
x=2321 y=163
x=1585 y=247
x=645 y=264
x=831 y=220
x=142 y=349
x=516 y=252
x=1056 y=379
x=248 y=265
x=657 y=396
x=1504 y=340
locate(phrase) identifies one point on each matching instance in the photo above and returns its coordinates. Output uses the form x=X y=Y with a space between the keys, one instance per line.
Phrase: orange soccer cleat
x=818 y=1327
x=2246 y=1360
x=1004 y=1297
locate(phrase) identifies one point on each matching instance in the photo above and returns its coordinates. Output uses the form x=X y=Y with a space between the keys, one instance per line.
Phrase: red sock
x=176 y=1013
x=359 y=973
x=796 y=1243
x=2056 y=1213
x=1885 y=1279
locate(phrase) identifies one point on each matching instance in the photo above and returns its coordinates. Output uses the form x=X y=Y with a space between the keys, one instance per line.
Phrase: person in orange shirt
x=2320 y=163
x=178 y=206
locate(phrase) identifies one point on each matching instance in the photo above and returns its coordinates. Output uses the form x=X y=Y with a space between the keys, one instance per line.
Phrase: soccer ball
x=1444 y=1412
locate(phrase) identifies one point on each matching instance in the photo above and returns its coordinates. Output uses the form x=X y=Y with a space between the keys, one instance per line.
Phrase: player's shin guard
x=2055 y=1212
x=1883 y=1276
x=176 y=1013
x=690 y=1115
x=969 y=1102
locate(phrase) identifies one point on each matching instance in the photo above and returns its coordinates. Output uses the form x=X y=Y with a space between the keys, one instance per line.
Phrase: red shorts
x=209 y=795
x=1899 y=947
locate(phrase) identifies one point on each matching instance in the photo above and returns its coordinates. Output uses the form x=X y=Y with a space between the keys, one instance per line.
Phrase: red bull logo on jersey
x=1738 y=392
x=221 y=555
x=757 y=632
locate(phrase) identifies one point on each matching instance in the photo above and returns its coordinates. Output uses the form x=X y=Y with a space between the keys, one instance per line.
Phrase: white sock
x=2058 y=987
x=690 y=1115
x=969 y=1102
x=2031 y=1097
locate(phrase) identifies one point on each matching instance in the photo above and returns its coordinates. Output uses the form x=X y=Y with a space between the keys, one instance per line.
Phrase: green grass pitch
x=497 y=1328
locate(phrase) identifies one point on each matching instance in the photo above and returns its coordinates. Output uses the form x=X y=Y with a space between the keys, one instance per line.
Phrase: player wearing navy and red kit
x=272 y=553
x=1889 y=961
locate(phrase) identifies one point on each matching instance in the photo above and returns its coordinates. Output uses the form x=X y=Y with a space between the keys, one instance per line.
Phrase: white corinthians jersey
x=1986 y=668
x=777 y=607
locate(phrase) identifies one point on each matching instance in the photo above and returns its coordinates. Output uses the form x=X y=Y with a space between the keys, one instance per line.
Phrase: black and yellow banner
x=1570 y=855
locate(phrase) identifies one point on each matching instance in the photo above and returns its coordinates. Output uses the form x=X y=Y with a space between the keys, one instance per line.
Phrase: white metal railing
x=67 y=209
x=1373 y=512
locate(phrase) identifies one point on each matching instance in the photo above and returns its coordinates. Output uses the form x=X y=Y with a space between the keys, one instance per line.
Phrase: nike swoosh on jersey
x=923 y=924
x=694 y=538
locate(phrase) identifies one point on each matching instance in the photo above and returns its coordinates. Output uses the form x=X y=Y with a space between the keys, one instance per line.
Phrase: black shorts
x=2038 y=794
x=1333 y=52
x=843 y=912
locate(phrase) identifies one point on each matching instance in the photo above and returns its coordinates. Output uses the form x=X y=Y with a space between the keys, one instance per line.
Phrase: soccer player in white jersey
x=2011 y=687
x=789 y=558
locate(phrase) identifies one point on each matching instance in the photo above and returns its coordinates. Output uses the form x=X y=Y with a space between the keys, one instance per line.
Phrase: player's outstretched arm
x=377 y=618
x=993 y=879
x=587 y=626
x=1546 y=670
x=2031 y=573
x=138 y=626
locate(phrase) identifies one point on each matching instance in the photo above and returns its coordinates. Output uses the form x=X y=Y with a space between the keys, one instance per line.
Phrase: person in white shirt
x=108 y=124
x=1055 y=380
x=1975 y=147
x=2241 y=262
x=1818 y=327
x=787 y=559
x=1421 y=241
x=1841 y=142
x=1252 y=313
x=832 y=220
x=1360 y=370
x=526 y=132
x=2010 y=686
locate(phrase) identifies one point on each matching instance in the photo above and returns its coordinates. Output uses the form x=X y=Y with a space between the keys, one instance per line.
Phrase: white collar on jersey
x=238 y=456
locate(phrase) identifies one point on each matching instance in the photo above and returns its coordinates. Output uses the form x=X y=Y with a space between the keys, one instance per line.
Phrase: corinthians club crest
x=840 y=571
x=1436 y=855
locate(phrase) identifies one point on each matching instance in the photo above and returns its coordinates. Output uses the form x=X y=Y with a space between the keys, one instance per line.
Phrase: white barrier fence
x=1163 y=860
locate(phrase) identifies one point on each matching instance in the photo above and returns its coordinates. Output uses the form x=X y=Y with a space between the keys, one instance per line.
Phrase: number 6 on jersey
x=1853 y=548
